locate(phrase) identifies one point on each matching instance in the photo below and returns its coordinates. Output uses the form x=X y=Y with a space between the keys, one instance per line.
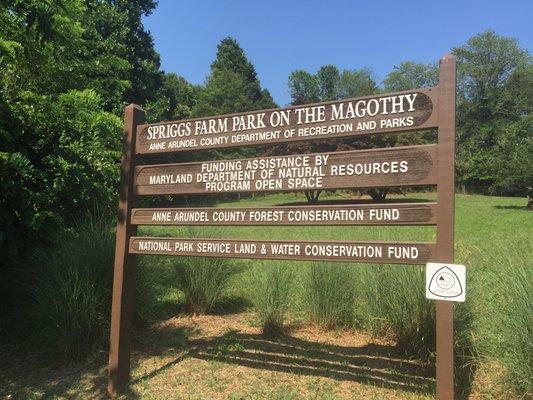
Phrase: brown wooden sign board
x=400 y=166
x=370 y=252
x=361 y=214
x=393 y=112
x=406 y=111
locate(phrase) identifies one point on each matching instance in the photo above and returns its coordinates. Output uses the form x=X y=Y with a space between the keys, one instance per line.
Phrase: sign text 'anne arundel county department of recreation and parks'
x=407 y=111
x=377 y=114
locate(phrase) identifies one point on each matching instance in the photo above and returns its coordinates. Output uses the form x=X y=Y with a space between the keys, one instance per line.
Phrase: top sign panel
x=394 y=112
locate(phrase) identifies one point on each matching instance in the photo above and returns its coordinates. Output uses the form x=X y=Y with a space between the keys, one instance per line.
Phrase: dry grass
x=226 y=357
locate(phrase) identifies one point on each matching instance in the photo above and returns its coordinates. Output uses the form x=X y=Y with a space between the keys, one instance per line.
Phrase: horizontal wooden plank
x=367 y=252
x=400 y=166
x=393 y=112
x=357 y=214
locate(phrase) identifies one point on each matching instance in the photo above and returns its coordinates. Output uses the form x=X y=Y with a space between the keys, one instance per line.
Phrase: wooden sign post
x=392 y=167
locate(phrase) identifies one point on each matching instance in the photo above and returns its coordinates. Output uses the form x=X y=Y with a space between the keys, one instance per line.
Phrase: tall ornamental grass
x=329 y=294
x=269 y=290
x=70 y=289
x=503 y=313
x=392 y=303
x=202 y=279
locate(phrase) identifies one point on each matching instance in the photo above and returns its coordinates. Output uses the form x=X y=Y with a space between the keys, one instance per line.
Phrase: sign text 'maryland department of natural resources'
x=401 y=166
x=395 y=112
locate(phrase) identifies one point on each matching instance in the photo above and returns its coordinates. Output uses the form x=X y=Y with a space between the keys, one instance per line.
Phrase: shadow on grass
x=520 y=208
x=231 y=305
x=37 y=380
x=373 y=364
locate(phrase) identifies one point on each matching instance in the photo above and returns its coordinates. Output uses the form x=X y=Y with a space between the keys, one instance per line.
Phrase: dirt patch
x=223 y=357
x=226 y=357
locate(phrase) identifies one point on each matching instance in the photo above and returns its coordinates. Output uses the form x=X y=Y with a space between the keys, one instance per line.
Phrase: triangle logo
x=445 y=283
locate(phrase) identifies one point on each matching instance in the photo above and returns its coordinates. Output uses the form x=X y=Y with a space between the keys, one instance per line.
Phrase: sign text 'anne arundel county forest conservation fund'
x=377 y=114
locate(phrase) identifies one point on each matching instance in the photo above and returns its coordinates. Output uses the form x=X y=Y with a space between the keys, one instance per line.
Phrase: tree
x=233 y=85
x=355 y=83
x=303 y=88
x=494 y=105
x=174 y=100
x=64 y=67
x=328 y=78
x=411 y=75
x=117 y=36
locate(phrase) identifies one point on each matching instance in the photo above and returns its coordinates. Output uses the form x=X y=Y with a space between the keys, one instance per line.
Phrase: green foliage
x=233 y=85
x=174 y=100
x=411 y=75
x=494 y=115
x=70 y=289
x=304 y=88
x=203 y=280
x=68 y=157
x=329 y=294
x=328 y=79
x=356 y=83
x=503 y=321
x=225 y=92
x=393 y=303
x=269 y=289
x=63 y=66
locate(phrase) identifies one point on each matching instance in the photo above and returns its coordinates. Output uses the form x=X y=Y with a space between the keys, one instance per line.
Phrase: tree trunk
x=530 y=199
x=312 y=196
x=378 y=195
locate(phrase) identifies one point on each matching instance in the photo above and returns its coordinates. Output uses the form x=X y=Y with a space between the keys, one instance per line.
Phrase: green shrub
x=503 y=314
x=203 y=280
x=393 y=303
x=70 y=289
x=329 y=294
x=269 y=289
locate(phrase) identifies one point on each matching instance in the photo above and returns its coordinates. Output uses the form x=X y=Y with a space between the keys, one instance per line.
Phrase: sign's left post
x=124 y=269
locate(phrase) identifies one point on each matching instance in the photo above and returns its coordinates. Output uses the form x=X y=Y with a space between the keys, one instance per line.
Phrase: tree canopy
x=494 y=115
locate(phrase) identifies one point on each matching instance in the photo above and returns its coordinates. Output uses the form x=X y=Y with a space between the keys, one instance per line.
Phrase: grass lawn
x=224 y=356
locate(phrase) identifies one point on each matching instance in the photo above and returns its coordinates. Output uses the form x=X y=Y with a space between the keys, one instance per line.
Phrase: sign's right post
x=445 y=221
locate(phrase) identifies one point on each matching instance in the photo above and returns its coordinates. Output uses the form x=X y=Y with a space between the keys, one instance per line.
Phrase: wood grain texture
x=445 y=223
x=419 y=160
x=360 y=252
x=190 y=135
x=360 y=214
x=124 y=267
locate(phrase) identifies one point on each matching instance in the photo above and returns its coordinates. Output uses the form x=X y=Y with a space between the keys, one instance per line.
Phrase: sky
x=282 y=36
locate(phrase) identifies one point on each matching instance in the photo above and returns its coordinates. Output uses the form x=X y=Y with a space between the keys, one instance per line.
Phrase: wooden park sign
x=406 y=111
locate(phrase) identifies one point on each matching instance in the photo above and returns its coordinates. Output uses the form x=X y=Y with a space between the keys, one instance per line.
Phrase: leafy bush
x=64 y=159
x=329 y=294
x=269 y=289
x=70 y=288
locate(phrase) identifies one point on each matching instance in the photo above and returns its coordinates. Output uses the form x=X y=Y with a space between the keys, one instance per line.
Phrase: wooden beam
x=353 y=214
x=445 y=222
x=124 y=270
